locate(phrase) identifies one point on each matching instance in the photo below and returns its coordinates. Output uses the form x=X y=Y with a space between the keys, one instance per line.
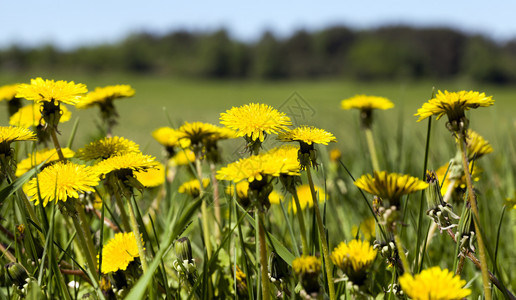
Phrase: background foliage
x=383 y=53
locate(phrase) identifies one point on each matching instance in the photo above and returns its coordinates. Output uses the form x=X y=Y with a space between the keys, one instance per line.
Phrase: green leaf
x=138 y=291
x=18 y=183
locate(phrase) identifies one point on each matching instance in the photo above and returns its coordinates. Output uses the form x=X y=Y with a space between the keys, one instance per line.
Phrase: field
x=400 y=142
x=159 y=101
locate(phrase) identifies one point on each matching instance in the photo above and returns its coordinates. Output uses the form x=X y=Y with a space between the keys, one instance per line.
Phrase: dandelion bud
x=466 y=232
x=16 y=273
x=438 y=210
x=183 y=249
x=433 y=192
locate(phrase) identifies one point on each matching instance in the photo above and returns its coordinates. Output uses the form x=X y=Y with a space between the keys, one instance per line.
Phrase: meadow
x=401 y=144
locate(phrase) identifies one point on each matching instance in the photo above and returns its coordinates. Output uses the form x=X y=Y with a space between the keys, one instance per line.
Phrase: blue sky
x=73 y=23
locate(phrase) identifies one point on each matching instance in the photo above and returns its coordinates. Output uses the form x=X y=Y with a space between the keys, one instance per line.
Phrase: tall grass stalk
x=473 y=202
x=204 y=208
x=422 y=199
x=137 y=236
x=322 y=236
x=372 y=148
x=266 y=291
x=301 y=220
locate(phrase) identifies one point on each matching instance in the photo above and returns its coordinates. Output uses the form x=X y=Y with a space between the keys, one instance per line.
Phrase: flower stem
x=401 y=253
x=372 y=148
x=85 y=228
x=460 y=265
x=206 y=228
x=121 y=207
x=473 y=202
x=137 y=236
x=204 y=209
x=84 y=245
x=263 y=257
x=9 y=256
x=322 y=234
x=23 y=198
x=53 y=133
x=216 y=200
x=301 y=220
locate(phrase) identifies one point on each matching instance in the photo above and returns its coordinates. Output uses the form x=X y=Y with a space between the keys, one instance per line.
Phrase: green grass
x=400 y=140
x=159 y=98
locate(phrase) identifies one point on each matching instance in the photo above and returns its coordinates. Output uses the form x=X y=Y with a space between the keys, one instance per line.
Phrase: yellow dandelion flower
x=152 y=177
x=9 y=134
x=256 y=167
x=255 y=120
x=286 y=159
x=364 y=102
x=105 y=94
x=97 y=202
x=453 y=104
x=477 y=145
x=61 y=181
x=243 y=187
x=305 y=197
x=125 y=162
x=30 y=115
x=222 y=133
x=34 y=159
x=308 y=135
x=196 y=132
x=250 y=168
x=193 y=187
x=240 y=276
x=308 y=268
x=390 y=186
x=355 y=256
x=118 y=252
x=241 y=282
x=275 y=197
x=183 y=157
x=8 y=92
x=107 y=147
x=434 y=284
x=41 y=90
x=335 y=155
x=306 y=264
x=367 y=229
x=168 y=137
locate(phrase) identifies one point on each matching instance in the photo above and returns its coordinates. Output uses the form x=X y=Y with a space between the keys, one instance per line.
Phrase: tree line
x=376 y=54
